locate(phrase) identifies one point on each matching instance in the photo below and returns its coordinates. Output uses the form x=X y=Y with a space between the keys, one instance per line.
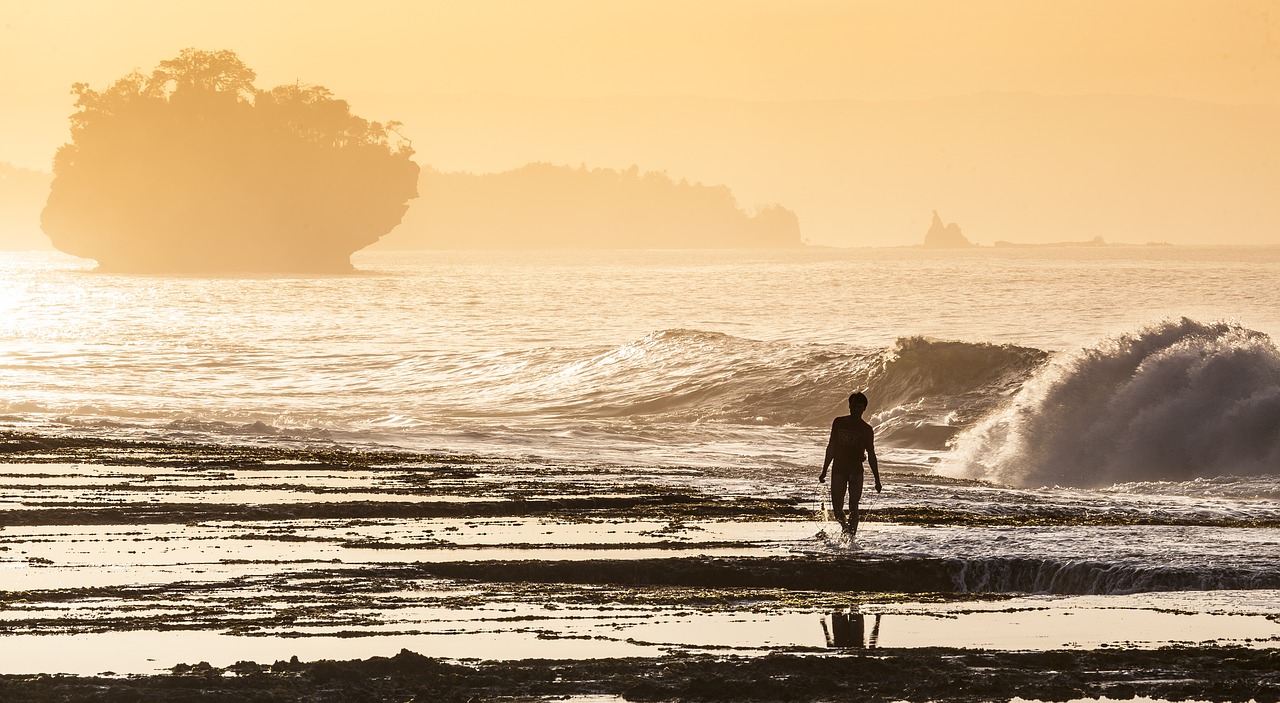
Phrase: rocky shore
x=163 y=571
x=1173 y=674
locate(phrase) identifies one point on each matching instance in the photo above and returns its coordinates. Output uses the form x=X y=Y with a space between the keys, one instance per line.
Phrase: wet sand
x=499 y=579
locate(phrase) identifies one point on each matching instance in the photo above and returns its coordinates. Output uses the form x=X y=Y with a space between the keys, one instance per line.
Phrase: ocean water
x=1124 y=401
x=1075 y=367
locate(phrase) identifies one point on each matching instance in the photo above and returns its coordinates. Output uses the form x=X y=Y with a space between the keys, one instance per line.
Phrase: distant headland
x=193 y=169
x=545 y=206
x=1095 y=242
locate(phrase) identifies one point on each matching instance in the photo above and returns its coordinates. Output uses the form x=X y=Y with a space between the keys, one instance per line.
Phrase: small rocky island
x=192 y=169
x=945 y=237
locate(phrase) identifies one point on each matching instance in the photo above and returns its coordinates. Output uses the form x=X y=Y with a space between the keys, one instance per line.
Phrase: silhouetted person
x=851 y=440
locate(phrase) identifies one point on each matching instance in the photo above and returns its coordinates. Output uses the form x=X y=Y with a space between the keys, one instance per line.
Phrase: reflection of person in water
x=851 y=439
x=848 y=630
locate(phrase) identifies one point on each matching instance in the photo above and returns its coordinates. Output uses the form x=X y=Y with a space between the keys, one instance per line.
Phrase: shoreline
x=645 y=583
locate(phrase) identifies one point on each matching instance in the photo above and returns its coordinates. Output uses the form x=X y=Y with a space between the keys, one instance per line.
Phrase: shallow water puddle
x=152 y=652
x=384 y=541
x=515 y=631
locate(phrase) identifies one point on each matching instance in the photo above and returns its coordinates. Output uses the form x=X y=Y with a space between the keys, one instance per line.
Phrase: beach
x=414 y=481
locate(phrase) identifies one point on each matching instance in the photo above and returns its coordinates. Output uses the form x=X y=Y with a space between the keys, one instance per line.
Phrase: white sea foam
x=1172 y=402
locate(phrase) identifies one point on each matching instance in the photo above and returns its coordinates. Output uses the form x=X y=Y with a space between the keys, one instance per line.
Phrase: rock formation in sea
x=193 y=169
x=944 y=237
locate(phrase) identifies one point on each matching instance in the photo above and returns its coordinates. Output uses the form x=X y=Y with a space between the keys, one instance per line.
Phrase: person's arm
x=871 y=457
x=826 y=461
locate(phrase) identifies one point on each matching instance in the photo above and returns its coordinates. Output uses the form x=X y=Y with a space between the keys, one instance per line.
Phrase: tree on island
x=194 y=169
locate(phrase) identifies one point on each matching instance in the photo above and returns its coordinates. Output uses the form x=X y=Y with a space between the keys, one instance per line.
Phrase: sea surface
x=709 y=358
x=1132 y=383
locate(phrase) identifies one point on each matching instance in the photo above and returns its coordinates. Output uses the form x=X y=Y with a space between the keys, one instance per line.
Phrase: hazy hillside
x=1018 y=167
x=1014 y=167
x=22 y=196
x=546 y=206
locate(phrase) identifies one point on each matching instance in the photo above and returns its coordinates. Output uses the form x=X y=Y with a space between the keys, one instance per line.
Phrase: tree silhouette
x=194 y=169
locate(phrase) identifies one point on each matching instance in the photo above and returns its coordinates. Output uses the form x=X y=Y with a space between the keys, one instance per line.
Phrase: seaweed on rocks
x=1172 y=673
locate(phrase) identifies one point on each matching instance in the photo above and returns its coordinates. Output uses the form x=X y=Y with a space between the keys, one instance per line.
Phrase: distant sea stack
x=948 y=237
x=192 y=169
x=547 y=206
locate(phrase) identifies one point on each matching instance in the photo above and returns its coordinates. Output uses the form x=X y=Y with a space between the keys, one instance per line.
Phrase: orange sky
x=1223 y=51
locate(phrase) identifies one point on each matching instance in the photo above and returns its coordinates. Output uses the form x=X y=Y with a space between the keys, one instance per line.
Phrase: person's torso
x=849 y=441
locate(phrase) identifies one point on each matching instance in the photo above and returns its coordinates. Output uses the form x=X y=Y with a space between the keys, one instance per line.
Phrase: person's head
x=857 y=403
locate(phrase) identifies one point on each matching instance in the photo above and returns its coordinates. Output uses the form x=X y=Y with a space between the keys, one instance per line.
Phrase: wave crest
x=1178 y=400
x=930 y=389
x=921 y=390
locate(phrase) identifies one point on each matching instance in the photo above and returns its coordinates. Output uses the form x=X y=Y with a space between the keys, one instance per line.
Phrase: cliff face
x=542 y=206
x=944 y=237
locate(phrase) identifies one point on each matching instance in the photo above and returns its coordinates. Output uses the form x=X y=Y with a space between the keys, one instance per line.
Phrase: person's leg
x=841 y=634
x=839 y=483
x=855 y=497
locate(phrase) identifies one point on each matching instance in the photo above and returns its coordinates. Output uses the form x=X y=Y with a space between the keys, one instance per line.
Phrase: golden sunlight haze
x=1028 y=121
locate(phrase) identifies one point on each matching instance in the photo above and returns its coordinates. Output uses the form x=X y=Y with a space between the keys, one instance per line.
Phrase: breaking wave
x=1175 y=401
x=932 y=389
x=922 y=390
